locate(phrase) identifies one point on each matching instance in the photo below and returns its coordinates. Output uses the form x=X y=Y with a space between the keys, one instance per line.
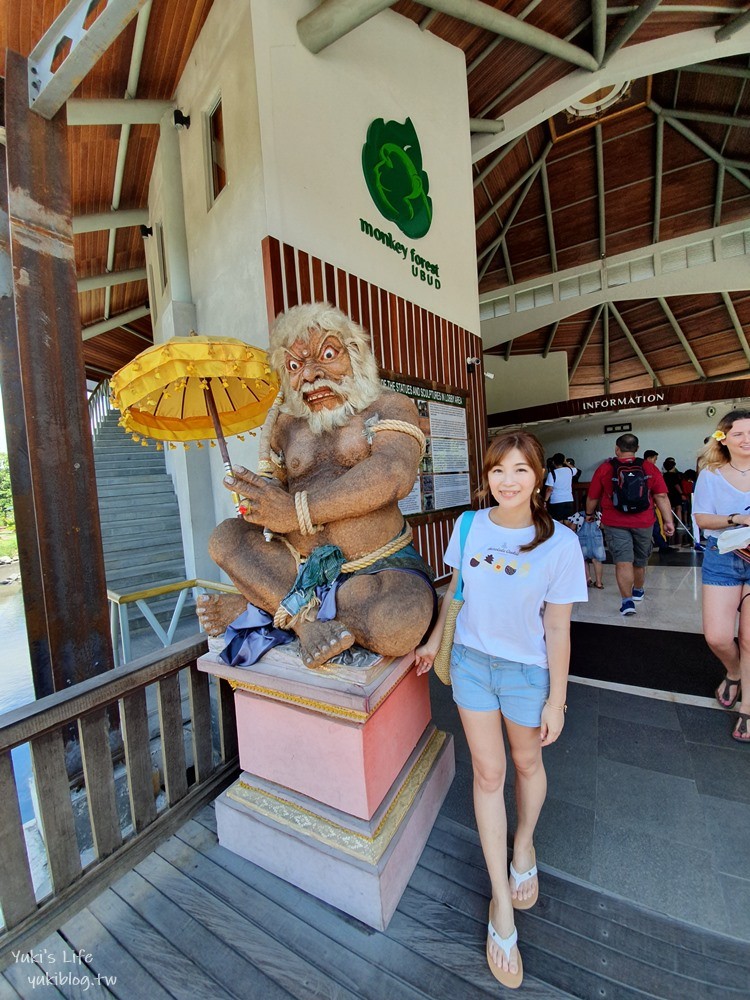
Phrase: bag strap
x=466 y=518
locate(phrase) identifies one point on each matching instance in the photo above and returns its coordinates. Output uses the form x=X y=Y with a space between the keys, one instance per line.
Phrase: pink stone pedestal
x=343 y=777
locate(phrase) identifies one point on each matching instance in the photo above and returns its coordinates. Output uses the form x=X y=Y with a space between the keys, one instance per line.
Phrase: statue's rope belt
x=282 y=618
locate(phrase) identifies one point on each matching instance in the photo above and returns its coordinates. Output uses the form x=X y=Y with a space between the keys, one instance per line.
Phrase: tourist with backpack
x=627 y=488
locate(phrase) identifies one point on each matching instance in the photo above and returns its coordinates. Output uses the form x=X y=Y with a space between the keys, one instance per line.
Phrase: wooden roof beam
x=636 y=61
x=550 y=339
x=80 y=44
x=513 y=213
x=704 y=147
x=629 y=28
x=658 y=176
x=599 y=145
x=115 y=322
x=736 y=324
x=584 y=342
x=709 y=117
x=717 y=69
x=548 y=217
x=113 y=278
x=97 y=221
x=633 y=343
x=599 y=19
x=332 y=19
x=733 y=26
x=527 y=74
x=116 y=112
x=682 y=338
x=507 y=194
x=488 y=49
x=496 y=160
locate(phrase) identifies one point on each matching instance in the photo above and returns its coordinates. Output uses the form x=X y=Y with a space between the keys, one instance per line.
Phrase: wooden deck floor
x=196 y=922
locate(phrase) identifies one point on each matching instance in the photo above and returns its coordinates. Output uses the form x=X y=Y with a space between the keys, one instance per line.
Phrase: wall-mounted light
x=147 y=231
x=180 y=120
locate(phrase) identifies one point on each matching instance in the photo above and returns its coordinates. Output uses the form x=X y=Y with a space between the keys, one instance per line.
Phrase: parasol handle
x=211 y=406
x=220 y=440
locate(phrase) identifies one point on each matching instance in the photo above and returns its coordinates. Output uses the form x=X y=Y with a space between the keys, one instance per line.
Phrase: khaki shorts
x=629 y=545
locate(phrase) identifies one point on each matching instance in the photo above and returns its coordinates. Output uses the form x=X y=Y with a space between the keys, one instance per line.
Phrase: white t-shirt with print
x=505 y=590
x=562 y=484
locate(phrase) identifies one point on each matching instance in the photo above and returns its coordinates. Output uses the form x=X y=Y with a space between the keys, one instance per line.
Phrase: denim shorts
x=723 y=569
x=484 y=683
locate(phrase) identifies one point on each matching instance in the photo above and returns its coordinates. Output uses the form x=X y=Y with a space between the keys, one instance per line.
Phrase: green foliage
x=6 y=495
x=8 y=544
x=392 y=165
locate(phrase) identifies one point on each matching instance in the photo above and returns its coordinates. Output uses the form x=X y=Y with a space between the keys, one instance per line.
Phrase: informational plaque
x=443 y=479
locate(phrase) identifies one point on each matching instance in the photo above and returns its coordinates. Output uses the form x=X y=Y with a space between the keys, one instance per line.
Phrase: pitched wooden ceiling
x=568 y=229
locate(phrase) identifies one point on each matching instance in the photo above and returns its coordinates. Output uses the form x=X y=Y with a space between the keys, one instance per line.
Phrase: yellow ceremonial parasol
x=195 y=389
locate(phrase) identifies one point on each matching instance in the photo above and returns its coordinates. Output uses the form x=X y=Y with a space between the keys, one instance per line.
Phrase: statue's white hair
x=359 y=390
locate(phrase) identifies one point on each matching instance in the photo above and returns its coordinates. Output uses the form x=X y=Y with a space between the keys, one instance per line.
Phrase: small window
x=216 y=150
x=152 y=294
x=161 y=259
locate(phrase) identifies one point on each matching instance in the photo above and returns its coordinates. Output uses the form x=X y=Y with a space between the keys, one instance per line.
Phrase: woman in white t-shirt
x=558 y=488
x=721 y=501
x=521 y=573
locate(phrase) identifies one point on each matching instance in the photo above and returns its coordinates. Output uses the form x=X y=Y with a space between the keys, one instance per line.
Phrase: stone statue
x=335 y=566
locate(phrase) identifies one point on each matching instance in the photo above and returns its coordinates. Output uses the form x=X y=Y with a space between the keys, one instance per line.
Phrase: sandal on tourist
x=510 y=979
x=741 y=731
x=724 y=692
x=519 y=878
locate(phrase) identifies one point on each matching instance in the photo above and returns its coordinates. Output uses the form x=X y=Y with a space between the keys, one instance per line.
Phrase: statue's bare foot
x=216 y=611
x=321 y=641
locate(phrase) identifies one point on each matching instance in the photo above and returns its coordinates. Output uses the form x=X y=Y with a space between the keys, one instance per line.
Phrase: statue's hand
x=265 y=503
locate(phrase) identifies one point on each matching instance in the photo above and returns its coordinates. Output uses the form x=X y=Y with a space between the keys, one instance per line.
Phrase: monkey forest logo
x=392 y=165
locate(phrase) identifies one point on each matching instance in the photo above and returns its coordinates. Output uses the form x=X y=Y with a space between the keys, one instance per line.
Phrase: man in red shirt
x=627 y=528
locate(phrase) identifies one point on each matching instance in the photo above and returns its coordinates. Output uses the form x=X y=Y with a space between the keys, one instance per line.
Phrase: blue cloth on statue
x=253 y=633
x=320 y=569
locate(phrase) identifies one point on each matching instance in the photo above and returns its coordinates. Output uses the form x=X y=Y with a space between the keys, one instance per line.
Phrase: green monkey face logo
x=392 y=165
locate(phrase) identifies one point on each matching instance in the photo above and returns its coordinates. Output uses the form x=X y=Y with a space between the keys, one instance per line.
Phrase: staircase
x=140 y=521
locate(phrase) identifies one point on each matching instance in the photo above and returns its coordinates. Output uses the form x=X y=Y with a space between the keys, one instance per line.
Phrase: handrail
x=99 y=406
x=119 y=842
x=120 y=623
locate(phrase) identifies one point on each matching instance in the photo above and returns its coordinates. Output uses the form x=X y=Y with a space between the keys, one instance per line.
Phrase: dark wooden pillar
x=50 y=455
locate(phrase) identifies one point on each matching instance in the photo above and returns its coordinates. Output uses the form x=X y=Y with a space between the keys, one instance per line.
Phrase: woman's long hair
x=532 y=451
x=716 y=453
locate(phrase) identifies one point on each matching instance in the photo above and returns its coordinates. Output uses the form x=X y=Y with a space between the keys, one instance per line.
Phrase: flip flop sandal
x=741 y=731
x=510 y=979
x=723 y=695
x=599 y=586
x=520 y=878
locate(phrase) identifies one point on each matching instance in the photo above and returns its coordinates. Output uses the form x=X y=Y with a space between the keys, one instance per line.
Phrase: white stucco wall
x=294 y=126
x=676 y=431
x=525 y=381
x=314 y=113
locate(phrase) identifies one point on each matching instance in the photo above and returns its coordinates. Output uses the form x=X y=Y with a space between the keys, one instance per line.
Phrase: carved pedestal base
x=343 y=777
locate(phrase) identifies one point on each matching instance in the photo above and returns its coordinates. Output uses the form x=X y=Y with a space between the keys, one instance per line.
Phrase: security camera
x=473 y=361
x=489 y=374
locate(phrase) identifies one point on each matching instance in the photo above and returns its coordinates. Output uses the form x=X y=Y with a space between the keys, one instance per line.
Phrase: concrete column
x=190 y=470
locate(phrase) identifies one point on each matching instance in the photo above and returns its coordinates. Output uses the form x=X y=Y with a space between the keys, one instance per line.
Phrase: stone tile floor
x=648 y=799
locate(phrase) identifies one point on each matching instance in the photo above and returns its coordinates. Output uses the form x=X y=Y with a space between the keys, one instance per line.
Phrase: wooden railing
x=118 y=611
x=99 y=406
x=189 y=778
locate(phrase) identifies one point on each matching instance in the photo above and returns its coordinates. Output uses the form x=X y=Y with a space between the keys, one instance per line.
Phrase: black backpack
x=630 y=494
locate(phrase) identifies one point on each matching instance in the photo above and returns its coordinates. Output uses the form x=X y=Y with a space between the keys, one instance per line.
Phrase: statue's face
x=316 y=368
